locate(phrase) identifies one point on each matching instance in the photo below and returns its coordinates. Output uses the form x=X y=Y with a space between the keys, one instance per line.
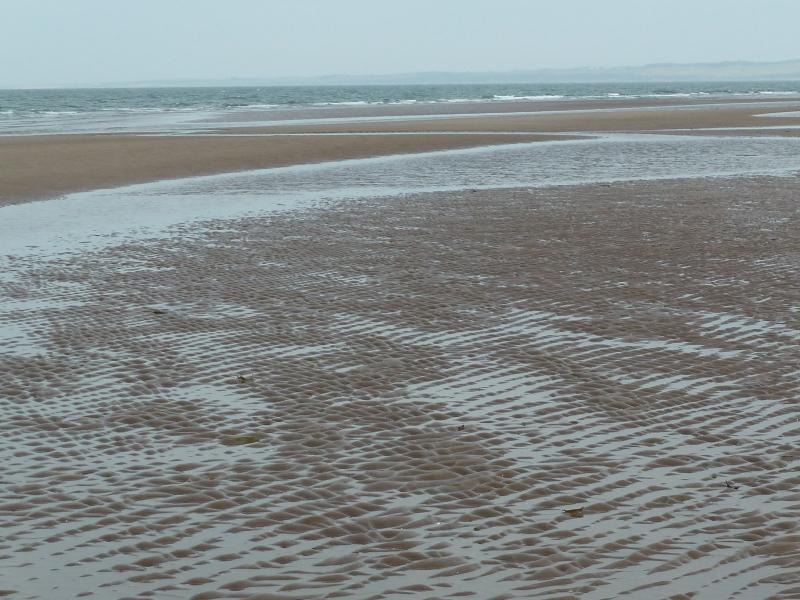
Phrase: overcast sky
x=57 y=42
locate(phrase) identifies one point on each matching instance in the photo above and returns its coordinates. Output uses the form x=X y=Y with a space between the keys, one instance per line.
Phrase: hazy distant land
x=721 y=71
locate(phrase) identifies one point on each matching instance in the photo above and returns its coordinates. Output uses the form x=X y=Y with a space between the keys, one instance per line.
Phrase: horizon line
x=309 y=80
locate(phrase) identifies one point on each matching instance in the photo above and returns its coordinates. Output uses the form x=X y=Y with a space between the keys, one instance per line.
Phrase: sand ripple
x=562 y=393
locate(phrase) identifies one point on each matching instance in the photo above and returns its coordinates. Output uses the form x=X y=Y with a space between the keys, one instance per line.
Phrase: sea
x=34 y=111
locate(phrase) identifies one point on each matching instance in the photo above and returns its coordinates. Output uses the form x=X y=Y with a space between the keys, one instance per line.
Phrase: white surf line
x=180 y=121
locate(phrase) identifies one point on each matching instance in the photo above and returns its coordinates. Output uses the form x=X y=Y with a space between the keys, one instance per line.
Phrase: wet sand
x=573 y=392
x=33 y=167
x=630 y=120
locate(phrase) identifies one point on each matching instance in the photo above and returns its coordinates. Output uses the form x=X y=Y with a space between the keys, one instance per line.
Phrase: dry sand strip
x=33 y=167
x=576 y=392
x=641 y=119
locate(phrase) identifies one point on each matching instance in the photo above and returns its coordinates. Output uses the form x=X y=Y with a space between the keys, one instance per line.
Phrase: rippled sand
x=576 y=392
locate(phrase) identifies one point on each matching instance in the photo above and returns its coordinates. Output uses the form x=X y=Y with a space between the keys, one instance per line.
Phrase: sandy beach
x=48 y=165
x=634 y=118
x=34 y=167
x=558 y=391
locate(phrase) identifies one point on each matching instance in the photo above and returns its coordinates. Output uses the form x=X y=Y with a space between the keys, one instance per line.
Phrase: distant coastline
x=786 y=70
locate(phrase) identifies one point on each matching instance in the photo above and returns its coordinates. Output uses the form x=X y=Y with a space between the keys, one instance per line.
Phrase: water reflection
x=85 y=220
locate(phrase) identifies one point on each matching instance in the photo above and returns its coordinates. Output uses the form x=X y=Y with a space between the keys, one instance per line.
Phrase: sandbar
x=39 y=166
x=33 y=167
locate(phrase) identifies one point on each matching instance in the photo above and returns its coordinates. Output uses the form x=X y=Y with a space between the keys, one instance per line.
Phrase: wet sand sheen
x=403 y=396
x=33 y=167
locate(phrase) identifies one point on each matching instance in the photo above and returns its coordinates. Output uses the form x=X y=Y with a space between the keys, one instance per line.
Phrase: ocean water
x=110 y=109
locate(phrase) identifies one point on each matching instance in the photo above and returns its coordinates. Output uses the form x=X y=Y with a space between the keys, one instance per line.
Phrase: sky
x=84 y=42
